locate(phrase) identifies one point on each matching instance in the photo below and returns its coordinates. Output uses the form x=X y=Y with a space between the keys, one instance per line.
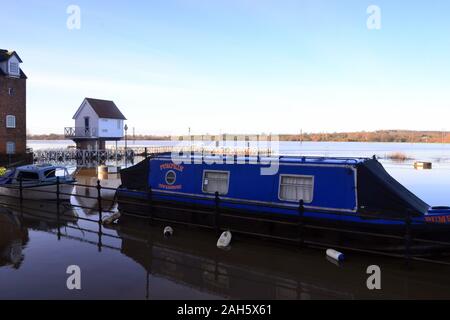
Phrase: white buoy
x=168 y=231
x=336 y=255
x=111 y=218
x=336 y=263
x=224 y=240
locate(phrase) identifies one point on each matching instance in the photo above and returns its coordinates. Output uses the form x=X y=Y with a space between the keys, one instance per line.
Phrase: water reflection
x=12 y=239
x=86 y=195
x=137 y=256
x=255 y=270
x=15 y=224
x=242 y=273
x=134 y=260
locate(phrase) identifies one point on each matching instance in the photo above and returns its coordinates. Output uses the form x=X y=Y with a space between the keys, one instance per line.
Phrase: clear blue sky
x=236 y=66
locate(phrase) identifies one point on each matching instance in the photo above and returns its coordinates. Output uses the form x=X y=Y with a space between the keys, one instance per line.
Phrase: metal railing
x=102 y=155
x=80 y=132
x=153 y=206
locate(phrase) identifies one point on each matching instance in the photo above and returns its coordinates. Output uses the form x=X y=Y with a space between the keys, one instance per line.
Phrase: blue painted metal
x=334 y=196
x=334 y=181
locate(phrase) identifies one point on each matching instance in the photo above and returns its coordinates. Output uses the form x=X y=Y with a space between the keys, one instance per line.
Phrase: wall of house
x=13 y=105
x=86 y=111
x=110 y=128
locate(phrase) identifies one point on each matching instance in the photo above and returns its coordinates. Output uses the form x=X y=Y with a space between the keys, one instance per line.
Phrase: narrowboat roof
x=377 y=191
x=282 y=159
x=37 y=168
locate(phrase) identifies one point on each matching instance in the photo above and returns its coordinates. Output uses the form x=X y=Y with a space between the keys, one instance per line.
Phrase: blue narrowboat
x=321 y=196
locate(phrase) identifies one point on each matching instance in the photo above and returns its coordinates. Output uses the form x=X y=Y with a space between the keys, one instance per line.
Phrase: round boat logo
x=171 y=177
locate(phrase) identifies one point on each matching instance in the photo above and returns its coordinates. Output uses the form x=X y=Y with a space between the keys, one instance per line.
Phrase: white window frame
x=9 y=118
x=296 y=176
x=11 y=91
x=8 y=144
x=216 y=171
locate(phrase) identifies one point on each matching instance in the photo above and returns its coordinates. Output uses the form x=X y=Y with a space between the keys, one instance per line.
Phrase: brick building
x=12 y=108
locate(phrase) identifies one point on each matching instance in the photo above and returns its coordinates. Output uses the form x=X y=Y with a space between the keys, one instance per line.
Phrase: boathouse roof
x=103 y=108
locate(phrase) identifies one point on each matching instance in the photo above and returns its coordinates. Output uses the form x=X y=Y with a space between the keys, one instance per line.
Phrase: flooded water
x=419 y=151
x=133 y=260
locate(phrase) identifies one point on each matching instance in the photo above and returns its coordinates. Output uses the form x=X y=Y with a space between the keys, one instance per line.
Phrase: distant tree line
x=360 y=136
x=374 y=136
x=54 y=136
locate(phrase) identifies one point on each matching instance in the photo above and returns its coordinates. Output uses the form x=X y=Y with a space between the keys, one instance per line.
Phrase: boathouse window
x=296 y=188
x=10 y=121
x=216 y=181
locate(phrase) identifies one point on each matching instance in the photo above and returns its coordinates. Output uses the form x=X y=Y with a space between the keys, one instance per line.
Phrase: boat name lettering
x=171 y=166
x=441 y=219
x=169 y=187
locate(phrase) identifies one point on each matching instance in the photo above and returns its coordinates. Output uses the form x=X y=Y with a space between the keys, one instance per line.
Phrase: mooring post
x=20 y=190
x=145 y=153
x=99 y=200
x=217 y=212
x=100 y=214
x=301 y=211
x=58 y=195
x=57 y=207
x=408 y=236
x=100 y=244
x=150 y=204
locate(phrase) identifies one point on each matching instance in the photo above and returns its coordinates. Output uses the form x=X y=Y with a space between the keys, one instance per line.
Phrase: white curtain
x=216 y=182
x=296 y=188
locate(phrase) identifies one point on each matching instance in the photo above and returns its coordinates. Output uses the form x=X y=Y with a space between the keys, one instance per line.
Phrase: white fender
x=336 y=255
x=111 y=218
x=224 y=240
x=168 y=231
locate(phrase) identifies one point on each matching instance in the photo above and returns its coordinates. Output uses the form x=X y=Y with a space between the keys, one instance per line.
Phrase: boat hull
x=41 y=192
x=324 y=229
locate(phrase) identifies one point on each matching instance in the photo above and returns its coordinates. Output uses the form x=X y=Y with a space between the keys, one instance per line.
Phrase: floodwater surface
x=133 y=260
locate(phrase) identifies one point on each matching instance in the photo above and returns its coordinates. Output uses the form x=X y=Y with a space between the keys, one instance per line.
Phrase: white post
x=97 y=149
x=117 y=163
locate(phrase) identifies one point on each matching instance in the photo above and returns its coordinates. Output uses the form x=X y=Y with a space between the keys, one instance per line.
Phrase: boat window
x=50 y=173
x=216 y=181
x=296 y=188
x=26 y=176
